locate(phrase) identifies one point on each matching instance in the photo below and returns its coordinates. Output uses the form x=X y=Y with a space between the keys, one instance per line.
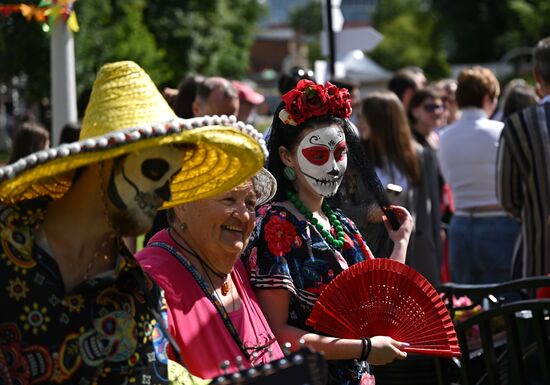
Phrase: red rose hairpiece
x=309 y=99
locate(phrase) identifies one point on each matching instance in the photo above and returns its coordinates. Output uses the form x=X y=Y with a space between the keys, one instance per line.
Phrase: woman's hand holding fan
x=385 y=349
x=382 y=297
x=401 y=235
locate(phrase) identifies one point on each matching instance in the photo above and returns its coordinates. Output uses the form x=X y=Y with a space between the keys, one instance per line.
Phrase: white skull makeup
x=322 y=159
x=140 y=182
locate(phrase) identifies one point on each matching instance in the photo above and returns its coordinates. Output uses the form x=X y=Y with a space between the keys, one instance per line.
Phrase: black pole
x=331 y=42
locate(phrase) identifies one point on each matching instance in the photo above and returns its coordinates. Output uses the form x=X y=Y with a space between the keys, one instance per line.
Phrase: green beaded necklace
x=337 y=243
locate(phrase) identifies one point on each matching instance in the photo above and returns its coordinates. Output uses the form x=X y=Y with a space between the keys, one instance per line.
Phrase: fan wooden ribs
x=381 y=297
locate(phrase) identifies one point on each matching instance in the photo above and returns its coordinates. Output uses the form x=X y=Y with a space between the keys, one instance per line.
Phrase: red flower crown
x=310 y=99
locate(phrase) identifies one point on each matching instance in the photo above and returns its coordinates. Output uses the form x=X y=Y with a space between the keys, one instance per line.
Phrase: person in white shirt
x=481 y=234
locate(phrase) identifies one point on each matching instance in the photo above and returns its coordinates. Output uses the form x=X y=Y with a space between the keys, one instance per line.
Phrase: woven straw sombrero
x=126 y=113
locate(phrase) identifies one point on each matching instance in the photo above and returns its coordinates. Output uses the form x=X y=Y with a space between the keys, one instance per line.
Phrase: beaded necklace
x=226 y=282
x=251 y=352
x=337 y=243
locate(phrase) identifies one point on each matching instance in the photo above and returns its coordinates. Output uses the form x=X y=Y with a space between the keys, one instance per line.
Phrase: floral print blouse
x=101 y=332
x=287 y=253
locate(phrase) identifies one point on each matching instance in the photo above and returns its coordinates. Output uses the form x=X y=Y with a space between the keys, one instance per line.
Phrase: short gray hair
x=205 y=89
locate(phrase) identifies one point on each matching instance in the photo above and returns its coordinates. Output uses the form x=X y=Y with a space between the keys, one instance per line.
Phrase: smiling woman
x=212 y=311
x=300 y=243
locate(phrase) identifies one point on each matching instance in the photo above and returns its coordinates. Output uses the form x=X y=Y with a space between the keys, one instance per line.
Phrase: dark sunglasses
x=432 y=107
x=302 y=73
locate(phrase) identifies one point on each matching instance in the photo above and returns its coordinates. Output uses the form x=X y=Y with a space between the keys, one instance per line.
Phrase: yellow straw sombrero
x=126 y=113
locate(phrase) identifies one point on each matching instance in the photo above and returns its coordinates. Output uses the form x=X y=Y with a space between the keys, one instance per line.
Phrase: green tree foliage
x=24 y=52
x=473 y=28
x=484 y=30
x=113 y=30
x=531 y=18
x=308 y=18
x=168 y=38
x=211 y=37
x=411 y=37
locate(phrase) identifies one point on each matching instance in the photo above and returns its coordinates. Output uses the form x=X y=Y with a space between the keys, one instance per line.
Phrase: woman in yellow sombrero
x=76 y=306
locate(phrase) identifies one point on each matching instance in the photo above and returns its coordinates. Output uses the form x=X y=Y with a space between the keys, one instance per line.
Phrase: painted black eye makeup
x=155 y=168
x=176 y=172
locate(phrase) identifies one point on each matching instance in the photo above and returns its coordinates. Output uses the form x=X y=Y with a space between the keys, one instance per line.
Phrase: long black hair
x=287 y=135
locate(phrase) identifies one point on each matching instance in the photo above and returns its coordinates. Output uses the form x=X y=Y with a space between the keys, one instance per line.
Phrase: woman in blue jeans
x=481 y=248
x=481 y=235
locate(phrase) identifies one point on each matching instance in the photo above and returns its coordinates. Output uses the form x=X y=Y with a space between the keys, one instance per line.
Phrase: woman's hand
x=274 y=304
x=401 y=236
x=385 y=349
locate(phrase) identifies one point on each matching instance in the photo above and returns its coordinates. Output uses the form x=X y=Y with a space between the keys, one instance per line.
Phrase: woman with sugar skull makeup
x=300 y=243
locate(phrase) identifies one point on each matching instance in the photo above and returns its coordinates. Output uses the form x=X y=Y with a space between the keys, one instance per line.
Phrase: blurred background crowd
x=419 y=73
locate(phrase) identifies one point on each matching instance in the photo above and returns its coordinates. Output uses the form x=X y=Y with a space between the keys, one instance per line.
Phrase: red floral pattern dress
x=287 y=253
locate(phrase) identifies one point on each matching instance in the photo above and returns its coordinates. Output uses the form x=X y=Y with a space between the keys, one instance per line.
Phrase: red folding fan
x=381 y=297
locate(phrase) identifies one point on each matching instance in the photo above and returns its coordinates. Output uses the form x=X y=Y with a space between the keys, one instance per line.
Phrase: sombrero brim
x=225 y=154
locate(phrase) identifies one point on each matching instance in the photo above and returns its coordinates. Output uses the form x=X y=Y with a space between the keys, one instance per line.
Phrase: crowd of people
x=244 y=230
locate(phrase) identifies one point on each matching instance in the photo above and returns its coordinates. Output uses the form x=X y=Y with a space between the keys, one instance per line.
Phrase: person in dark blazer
x=523 y=173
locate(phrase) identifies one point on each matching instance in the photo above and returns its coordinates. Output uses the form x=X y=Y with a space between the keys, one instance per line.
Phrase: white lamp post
x=63 y=81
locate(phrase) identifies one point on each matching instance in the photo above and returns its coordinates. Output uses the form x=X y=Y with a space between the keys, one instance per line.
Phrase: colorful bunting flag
x=53 y=10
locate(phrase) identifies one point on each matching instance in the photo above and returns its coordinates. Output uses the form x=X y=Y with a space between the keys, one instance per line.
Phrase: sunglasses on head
x=302 y=73
x=432 y=107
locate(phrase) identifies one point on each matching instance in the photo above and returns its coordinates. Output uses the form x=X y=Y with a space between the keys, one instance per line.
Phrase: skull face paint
x=322 y=159
x=140 y=184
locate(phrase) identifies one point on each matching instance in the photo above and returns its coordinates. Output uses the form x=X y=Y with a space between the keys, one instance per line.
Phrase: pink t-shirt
x=195 y=323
